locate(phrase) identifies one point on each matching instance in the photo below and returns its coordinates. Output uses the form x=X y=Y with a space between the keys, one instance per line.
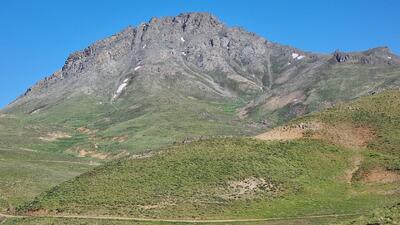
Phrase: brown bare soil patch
x=249 y=188
x=344 y=134
x=85 y=130
x=160 y=205
x=92 y=154
x=277 y=102
x=121 y=154
x=289 y=132
x=39 y=212
x=54 y=136
x=381 y=175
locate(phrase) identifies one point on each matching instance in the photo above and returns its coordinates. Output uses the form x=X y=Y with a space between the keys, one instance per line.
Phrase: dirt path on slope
x=276 y=219
x=60 y=162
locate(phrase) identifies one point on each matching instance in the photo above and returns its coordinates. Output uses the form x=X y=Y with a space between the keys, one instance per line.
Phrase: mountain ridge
x=224 y=61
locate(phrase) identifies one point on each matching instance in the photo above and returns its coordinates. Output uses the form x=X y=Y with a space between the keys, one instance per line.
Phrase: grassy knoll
x=381 y=114
x=198 y=181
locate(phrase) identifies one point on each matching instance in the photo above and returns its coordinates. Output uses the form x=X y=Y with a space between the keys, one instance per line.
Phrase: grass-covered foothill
x=207 y=179
x=33 y=147
x=242 y=177
x=381 y=114
x=29 y=165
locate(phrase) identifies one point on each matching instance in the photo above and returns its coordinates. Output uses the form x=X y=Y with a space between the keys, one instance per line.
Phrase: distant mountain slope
x=245 y=178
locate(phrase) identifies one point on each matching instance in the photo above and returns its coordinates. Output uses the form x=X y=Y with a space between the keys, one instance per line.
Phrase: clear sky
x=37 y=36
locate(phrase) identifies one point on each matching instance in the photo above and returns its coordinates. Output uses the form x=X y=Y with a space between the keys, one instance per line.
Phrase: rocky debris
x=144 y=155
x=380 y=55
x=188 y=140
x=351 y=58
x=250 y=188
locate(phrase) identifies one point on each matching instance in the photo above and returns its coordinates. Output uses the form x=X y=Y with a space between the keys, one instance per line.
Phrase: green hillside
x=27 y=168
x=379 y=113
x=87 y=133
x=242 y=177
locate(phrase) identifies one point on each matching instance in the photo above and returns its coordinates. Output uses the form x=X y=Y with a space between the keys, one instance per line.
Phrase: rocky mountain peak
x=190 y=54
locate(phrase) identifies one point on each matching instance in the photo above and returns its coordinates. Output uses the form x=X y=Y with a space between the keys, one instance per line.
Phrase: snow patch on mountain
x=120 y=89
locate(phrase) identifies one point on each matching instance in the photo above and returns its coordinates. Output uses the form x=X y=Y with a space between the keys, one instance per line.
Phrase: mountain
x=244 y=178
x=180 y=80
x=196 y=55
x=188 y=76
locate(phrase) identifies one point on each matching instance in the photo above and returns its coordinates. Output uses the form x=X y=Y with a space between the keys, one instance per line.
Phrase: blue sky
x=37 y=36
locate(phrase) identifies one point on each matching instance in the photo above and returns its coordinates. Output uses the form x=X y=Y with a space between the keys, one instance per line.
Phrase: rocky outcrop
x=380 y=55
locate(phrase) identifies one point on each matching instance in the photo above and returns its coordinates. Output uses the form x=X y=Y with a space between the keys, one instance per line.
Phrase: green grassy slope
x=206 y=179
x=386 y=216
x=195 y=181
x=27 y=168
x=380 y=113
x=130 y=126
x=146 y=122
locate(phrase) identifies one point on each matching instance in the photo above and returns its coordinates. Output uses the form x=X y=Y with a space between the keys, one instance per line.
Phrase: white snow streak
x=120 y=89
x=138 y=67
x=297 y=56
x=300 y=57
x=182 y=39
